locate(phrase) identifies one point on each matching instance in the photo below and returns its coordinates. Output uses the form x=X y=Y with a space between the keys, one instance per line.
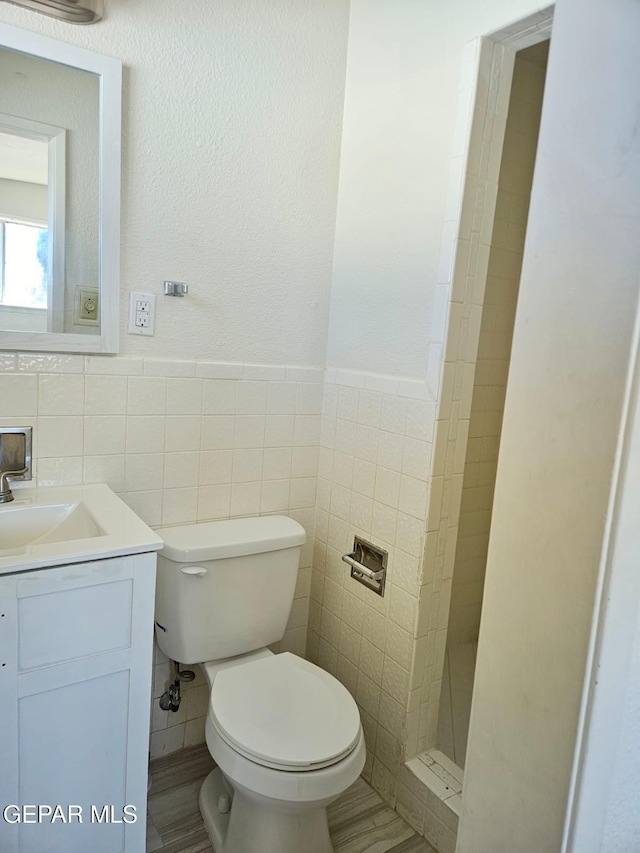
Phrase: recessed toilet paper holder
x=368 y=564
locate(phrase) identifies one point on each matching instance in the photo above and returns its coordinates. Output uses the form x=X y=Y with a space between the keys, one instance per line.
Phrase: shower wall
x=372 y=481
x=494 y=348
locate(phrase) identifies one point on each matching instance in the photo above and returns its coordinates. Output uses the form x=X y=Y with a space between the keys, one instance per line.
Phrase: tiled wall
x=179 y=442
x=494 y=348
x=485 y=83
x=372 y=481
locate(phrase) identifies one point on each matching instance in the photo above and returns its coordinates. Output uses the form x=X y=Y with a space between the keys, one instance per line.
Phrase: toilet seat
x=284 y=713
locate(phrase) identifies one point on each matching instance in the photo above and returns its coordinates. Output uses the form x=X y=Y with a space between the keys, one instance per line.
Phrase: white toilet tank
x=225 y=588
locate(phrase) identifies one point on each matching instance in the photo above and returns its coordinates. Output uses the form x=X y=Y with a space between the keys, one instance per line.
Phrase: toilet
x=285 y=735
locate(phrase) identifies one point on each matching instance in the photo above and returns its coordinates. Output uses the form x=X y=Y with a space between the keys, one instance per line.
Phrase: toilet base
x=258 y=825
x=216 y=824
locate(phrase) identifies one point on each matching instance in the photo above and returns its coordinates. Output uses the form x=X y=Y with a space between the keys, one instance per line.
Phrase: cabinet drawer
x=62 y=625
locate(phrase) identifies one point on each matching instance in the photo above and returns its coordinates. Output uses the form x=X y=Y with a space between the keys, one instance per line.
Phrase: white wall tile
x=148 y=505
x=99 y=364
x=105 y=395
x=105 y=469
x=249 y=431
x=247 y=466
x=181 y=470
x=246 y=499
x=275 y=496
x=304 y=461
x=179 y=506
x=184 y=396
x=215 y=467
x=60 y=471
x=251 y=398
x=387 y=488
x=219 y=397
x=60 y=394
x=281 y=398
x=146 y=396
x=60 y=436
x=219 y=370
x=168 y=368
x=104 y=434
x=277 y=464
x=308 y=398
x=303 y=492
x=264 y=372
x=217 y=432
x=145 y=434
x=279 y=430
x=144 y=471
x=46 y=363
x=306 y=431
x=364 y=477
x=182 y=432
x=214 y=502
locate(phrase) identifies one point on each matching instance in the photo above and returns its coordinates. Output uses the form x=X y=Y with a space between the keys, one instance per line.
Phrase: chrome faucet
x=15 y=458
x=6 y=494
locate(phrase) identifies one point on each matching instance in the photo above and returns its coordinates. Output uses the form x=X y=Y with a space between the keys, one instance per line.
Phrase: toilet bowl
x=285 y=735
x=287 y=739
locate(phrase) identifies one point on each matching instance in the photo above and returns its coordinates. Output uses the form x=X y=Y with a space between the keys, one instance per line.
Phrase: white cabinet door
x=75 y=686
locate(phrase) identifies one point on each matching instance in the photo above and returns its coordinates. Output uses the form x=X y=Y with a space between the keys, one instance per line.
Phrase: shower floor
x=455 y=701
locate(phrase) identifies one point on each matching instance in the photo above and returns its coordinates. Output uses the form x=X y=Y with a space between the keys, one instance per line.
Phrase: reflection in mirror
x=49 y=195
x=60 y=124
x=24 y=261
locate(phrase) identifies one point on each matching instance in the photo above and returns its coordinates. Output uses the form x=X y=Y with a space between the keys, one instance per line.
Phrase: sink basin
x=53 y=526
x=25 y=524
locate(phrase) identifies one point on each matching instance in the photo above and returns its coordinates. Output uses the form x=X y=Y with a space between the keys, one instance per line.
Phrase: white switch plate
x=87 y=306
x=142 y=313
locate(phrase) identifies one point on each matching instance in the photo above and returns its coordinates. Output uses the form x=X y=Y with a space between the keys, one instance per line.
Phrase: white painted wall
x=400 y=101
x=606 y=814
x=232 y=119
x=570 y=360
x=622 y=818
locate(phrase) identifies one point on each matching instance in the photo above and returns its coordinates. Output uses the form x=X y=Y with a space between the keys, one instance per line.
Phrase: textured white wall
x=231 y=137
x=400 y=101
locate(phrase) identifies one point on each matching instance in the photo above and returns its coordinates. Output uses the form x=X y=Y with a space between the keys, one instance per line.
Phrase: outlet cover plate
x=142 y=313
x=87 y=306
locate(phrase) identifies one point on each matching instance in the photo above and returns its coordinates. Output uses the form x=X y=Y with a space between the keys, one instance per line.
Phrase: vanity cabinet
x=75 y=688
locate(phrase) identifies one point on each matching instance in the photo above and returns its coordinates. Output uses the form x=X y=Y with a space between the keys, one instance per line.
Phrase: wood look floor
x=359 y=821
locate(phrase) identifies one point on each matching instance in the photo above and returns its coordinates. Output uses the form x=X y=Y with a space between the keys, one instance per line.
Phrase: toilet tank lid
x=237 y=537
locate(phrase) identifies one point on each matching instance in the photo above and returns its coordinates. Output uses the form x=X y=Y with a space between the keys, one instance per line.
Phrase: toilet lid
x=285 y=712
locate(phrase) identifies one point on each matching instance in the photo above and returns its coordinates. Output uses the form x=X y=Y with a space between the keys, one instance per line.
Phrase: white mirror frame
x=109 y=72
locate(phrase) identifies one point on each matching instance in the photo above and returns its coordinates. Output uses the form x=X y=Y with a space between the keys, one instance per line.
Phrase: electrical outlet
x=142 y=313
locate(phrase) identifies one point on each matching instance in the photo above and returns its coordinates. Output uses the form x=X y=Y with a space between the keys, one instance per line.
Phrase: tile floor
x=359 y=821
x=455 y=701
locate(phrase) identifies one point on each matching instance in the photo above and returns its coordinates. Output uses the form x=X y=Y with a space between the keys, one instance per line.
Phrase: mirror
x=59 y=195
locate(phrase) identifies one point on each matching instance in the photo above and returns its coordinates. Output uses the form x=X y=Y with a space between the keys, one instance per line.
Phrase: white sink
x=71 y=524
x=22 y=523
